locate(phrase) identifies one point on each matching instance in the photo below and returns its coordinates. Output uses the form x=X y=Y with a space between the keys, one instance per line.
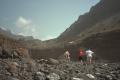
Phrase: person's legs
x=80 y=59
x=84 y=59
x=90 y=60
x=68 y=59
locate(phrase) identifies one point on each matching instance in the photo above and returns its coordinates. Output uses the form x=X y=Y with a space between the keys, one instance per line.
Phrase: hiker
x=82 y=56
x=67 y=55
x=89 y=54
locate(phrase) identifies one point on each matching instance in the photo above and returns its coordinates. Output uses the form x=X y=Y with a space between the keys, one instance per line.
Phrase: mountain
x=98 y=29
x=101 y=11
x=103 y=38
x=8 y=33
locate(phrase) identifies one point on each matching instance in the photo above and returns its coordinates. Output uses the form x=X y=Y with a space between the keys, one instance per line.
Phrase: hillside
x=103 y=10
x=102 y=20
x=26 y=58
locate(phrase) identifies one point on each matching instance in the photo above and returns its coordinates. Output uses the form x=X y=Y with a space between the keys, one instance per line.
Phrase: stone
x=90 y=76
x=77 y=78
x=39 y=76
x=53 y=76
x=12 y=78
x=53 y=61
x=109 y=77
x=7 y=73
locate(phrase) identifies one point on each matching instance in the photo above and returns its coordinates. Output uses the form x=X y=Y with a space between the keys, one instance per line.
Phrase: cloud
x=26 y=27
x=22 y=22
x=20 y=33
x=33 y=30
x=48 y=37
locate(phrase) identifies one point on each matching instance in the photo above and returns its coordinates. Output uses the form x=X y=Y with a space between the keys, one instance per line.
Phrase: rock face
x=103 y=10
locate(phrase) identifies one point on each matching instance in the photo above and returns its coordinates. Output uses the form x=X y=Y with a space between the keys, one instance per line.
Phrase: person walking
x=67 y=55
x=82 y=56
x=89 y=54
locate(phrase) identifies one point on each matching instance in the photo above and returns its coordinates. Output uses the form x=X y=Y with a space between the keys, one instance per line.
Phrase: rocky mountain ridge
x=101 y=11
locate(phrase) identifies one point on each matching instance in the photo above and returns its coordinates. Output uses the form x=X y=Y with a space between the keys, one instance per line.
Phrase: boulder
x=53 y=61
x=12 y=67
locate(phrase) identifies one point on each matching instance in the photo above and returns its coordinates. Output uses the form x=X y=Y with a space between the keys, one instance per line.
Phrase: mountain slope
x=9 y=34
x=103 y=37
x=103 y=10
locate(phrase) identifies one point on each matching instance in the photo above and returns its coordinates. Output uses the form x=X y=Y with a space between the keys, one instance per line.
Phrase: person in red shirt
x=81 y=56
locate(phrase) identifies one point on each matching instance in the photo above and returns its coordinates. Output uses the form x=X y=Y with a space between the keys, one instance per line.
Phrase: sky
x=42 y=19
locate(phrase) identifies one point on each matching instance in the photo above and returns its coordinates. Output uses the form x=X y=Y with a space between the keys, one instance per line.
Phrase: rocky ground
x=26 y=69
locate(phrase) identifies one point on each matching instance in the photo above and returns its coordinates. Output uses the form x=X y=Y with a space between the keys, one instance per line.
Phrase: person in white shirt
x=67 y=55
x=89 y=54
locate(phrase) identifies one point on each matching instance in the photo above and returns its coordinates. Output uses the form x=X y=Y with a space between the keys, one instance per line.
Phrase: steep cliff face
x=103 y=10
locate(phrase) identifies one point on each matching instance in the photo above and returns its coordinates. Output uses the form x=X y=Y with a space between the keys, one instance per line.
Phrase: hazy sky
x=43 y=19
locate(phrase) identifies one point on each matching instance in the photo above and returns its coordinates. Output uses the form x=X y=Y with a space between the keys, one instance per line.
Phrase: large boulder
x=53 y=61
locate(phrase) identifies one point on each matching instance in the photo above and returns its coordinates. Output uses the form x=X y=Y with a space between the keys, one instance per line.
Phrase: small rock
x=12 y=78
x=109 y=77
x=39 y=73
x=90 y=76
x=7 y=73
x=78 y=79
x=97 y=73
x=53 y=76
x=39 y=76
x=105 y=65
